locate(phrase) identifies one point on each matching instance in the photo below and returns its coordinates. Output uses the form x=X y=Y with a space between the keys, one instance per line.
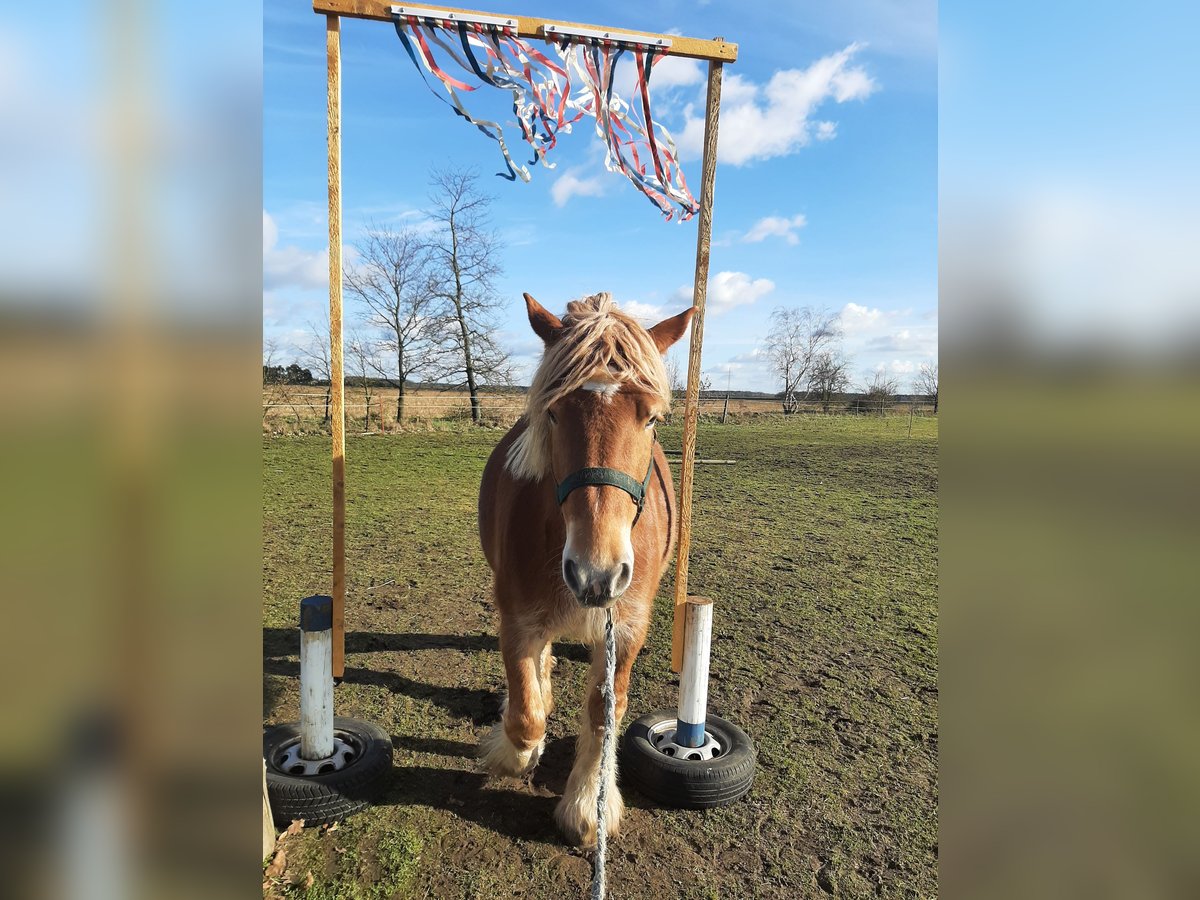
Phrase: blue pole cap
x=689 y=734
x=316 y=613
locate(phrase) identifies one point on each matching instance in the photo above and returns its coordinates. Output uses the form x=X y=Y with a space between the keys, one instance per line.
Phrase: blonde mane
x=597 y=340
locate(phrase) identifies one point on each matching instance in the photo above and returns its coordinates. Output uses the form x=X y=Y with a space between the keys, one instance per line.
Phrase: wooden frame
x=717 y=52
x=528 y=26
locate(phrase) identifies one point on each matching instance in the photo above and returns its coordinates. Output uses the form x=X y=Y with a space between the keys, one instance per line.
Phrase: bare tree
x=671 y=361
x=926 y=383
x=797 y=337
x=879 y=389
x=280 y=389
x=270 y=375
x=361 y=353
x=465 y=262
x=829 y=376
x=675 y=375
x=391 y=278
x=316 y=353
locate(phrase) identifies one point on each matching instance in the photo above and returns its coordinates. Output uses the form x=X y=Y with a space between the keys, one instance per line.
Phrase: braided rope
x=599 y=884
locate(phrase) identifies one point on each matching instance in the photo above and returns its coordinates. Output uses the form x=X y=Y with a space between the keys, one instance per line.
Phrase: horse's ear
x=545 y=323
x=668 y=331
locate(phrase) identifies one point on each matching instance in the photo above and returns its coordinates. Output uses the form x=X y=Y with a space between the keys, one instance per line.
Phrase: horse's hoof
x=575 y=824
x=501 y=757
x=576 y=819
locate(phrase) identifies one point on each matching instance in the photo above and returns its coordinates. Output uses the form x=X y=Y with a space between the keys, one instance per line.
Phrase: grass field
x=820 y=548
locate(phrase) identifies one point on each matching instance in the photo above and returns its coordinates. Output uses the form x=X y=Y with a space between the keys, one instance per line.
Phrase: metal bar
x=450 y=15
x=715 y=50
x=708 y=174
x=693 y=680
x=607 y=35
x=316 y=677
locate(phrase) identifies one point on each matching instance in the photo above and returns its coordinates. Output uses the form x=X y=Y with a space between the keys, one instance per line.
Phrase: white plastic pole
x=693 y=680
x=316 y=677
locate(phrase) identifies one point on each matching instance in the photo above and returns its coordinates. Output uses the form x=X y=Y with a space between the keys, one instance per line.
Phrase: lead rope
x=606 y=758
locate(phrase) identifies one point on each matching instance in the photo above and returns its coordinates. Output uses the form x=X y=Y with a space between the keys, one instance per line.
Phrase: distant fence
x=300 y=408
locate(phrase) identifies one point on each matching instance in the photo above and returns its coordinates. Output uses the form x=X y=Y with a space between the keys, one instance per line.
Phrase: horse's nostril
x=624 y=577
x=571 y=576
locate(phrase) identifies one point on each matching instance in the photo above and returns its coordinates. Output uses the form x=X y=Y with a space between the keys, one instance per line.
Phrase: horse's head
x=599 y=433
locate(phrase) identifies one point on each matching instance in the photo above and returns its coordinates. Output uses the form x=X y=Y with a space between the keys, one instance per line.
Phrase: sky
x=826 y=192
x=1068 y=181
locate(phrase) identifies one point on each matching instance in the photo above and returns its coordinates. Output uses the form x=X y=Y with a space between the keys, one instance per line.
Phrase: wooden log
x=716 y=50
x=708 y=175
x=333 y=53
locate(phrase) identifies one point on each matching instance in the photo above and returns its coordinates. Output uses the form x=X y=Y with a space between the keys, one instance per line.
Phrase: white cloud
x=874 y=330
x=270 y=233
x=906 y=340
x=646 y=313
x=727 y=290
x=569 y=185
x=671 y=72
x=775 y=226
x=857 y=319
x=290 y=266
x=762 y=122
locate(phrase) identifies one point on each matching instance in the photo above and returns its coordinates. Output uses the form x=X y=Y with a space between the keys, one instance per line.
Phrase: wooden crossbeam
x=532 y=26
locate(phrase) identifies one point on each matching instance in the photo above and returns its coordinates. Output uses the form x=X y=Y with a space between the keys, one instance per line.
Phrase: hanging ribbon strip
x=542 y=100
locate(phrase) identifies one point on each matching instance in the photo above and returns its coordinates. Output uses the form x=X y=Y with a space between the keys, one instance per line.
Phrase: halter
x=602 y=475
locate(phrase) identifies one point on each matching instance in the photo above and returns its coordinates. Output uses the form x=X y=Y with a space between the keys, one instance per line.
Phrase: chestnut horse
x=577 y=516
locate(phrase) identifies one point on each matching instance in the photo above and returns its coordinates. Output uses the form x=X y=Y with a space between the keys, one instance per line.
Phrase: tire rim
x=287 y=758
x=662 y=739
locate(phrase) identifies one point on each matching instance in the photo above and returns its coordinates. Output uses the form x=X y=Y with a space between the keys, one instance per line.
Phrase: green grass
x=820 y=549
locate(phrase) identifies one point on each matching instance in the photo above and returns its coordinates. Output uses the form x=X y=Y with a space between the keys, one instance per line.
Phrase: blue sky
x=1068 y=180
x=841 y=215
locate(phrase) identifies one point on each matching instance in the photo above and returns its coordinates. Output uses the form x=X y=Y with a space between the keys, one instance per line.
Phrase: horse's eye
x=653 y=421
x=553 y=418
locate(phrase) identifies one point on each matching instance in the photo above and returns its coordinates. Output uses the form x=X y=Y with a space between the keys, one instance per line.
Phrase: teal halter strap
x=601 y=475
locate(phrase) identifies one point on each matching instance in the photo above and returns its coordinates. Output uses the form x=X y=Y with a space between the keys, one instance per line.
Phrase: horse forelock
x=598 y=343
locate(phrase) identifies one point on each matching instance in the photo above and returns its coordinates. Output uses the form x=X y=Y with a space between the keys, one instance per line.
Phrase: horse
x=576 y=518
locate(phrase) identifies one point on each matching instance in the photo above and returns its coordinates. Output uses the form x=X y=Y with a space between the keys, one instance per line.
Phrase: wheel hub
x=662 y=738
x=289 y=760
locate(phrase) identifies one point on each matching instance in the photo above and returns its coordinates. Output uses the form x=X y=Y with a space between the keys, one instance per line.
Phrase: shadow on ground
x=286 y=642
x=518 y=809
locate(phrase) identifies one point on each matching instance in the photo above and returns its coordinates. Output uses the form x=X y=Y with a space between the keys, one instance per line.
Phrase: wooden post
x=692 y=408
x=268 y=819
x=333 y=52
x=728 y=382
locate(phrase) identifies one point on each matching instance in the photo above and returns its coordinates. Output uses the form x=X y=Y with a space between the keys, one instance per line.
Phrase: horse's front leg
x=514 y=745
x=576 y=812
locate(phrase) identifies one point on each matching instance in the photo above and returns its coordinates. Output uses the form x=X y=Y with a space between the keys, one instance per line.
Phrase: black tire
x=329 y=797
x=682 y=783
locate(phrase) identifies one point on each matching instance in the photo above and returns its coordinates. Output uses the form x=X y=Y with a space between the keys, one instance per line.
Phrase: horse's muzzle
x=596 y=587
